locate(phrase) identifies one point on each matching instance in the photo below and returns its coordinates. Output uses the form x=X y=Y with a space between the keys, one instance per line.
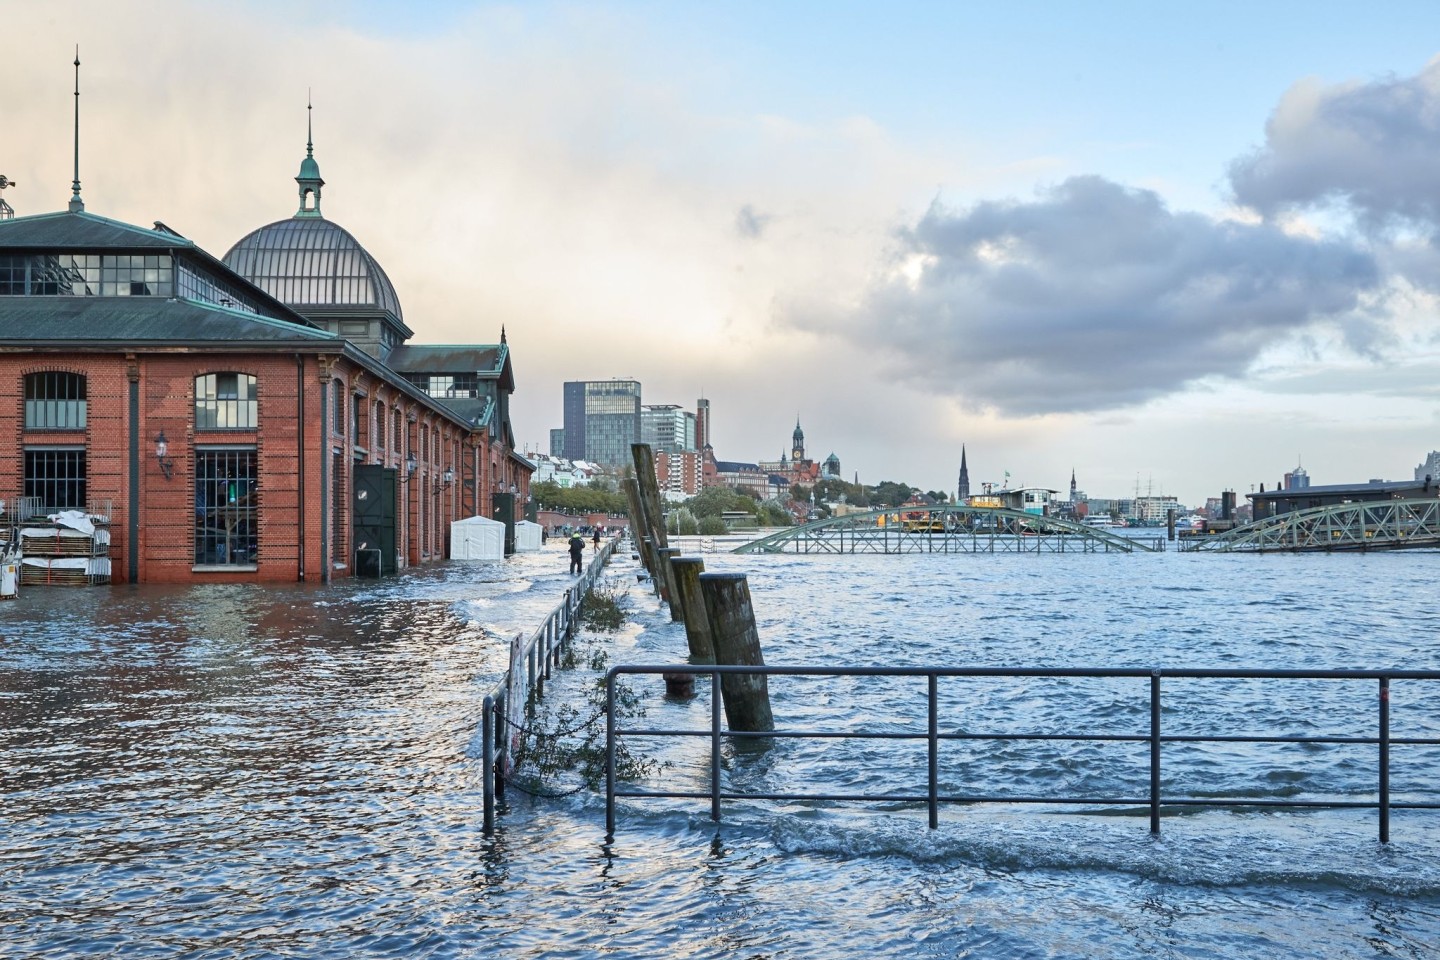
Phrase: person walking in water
x=577 y=551
x=598 y=532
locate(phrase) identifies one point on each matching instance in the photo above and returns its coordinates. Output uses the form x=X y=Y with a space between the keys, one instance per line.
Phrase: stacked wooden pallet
x=55 y=554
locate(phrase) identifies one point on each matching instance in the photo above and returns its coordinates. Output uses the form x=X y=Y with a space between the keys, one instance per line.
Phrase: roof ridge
x=169 y=240
x=313 y=332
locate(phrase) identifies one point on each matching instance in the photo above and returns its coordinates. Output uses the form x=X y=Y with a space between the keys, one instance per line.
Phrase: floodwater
x=238 y=772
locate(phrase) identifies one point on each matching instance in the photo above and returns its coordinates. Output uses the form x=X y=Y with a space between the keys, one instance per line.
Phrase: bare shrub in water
x=570 y=739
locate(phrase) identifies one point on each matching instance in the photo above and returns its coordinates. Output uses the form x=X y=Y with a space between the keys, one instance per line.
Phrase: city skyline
x=1191 y=247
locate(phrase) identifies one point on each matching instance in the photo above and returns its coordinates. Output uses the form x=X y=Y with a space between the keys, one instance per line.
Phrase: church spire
x=309 y=177
x=962 y=492
x=76 y=204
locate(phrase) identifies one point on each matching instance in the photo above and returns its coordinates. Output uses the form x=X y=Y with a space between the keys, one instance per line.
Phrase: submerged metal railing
x=539 y=654
x=933 y=798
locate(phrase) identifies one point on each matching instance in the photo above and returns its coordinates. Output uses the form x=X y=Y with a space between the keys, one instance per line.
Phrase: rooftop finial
x=76 y=204
x=309 y=178
x=502 y=333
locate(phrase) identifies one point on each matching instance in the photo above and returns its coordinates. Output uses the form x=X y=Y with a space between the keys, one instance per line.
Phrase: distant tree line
x=701 y=514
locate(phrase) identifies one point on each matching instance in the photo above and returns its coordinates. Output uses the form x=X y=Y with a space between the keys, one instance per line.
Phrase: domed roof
x=312 y=262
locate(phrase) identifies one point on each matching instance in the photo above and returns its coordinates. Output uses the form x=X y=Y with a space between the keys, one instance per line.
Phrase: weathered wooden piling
x=638 y=530
x=687 y=572
x=654 y=513
x=679 y=686
x=664 y=558
x=737 y=643
x=649 y=491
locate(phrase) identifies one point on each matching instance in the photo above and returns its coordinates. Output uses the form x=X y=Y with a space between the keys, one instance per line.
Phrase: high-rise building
x=602 y=420
x=702 y=424
x=679 y=473
x=667 y=427
x=1297 y=479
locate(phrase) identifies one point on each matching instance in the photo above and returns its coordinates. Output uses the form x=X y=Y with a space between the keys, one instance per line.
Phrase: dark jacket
x=577 y=546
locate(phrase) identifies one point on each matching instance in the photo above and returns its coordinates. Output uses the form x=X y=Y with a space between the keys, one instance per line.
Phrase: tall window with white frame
x=226 y=401
x=55 y=400
x=54 y=471
x=227 y=486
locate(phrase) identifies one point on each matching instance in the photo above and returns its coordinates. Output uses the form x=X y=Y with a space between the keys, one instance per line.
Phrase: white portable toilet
x=527 y=537
x=477 y=538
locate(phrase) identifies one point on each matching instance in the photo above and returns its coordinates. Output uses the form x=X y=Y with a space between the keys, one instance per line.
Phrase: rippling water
x=235 y=772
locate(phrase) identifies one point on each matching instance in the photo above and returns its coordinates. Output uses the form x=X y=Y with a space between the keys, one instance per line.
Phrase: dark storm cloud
x=1093 y=297
x=1371 y=147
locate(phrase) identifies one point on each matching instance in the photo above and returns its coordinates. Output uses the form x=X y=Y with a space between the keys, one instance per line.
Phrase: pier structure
x=949 y=529
x=1372 y=525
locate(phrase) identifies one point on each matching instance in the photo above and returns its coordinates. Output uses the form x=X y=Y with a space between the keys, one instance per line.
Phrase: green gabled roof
x=476 y=411
x=64 y=231
x=120 y=321
x=481 y=358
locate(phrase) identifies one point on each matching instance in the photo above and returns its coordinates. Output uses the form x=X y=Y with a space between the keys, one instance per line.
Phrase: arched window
x=380 y=424
x=225 y=401
x=54 y=401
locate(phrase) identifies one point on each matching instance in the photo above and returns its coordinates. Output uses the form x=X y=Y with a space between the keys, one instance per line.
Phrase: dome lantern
x=309 y=177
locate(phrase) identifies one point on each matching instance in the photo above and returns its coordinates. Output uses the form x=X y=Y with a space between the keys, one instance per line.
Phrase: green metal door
x=374 y=512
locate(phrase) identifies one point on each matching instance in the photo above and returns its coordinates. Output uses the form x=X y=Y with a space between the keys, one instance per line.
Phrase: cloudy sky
x=1176 y=248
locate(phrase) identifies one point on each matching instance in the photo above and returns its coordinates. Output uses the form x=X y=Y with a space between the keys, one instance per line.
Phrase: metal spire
x=76 y=204
x=309 y=178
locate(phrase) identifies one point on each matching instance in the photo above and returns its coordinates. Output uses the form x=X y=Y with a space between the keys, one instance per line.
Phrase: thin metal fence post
x=934 y=785
x=546 y=650
x=502 y=736
x=532 y=688
x=1384 y=759
x=715 y=746
x=1155 y=752
x=610 y=754
x=487 y=759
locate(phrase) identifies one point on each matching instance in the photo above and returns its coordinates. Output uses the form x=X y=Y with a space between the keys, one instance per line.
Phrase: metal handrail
x=539 y=654
x=932 y=797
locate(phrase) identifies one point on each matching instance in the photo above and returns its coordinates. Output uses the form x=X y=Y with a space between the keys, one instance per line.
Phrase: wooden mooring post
x=650 y=506
x=737 y=643
x=638 y=531
x=687 y=572
x=665 y=558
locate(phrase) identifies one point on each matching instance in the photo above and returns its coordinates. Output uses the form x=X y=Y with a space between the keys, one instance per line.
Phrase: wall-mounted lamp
x=447 y=478
x=162 y=455
x=410 y=466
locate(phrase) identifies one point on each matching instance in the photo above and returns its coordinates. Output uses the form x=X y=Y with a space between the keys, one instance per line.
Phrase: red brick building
x=260 y=418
